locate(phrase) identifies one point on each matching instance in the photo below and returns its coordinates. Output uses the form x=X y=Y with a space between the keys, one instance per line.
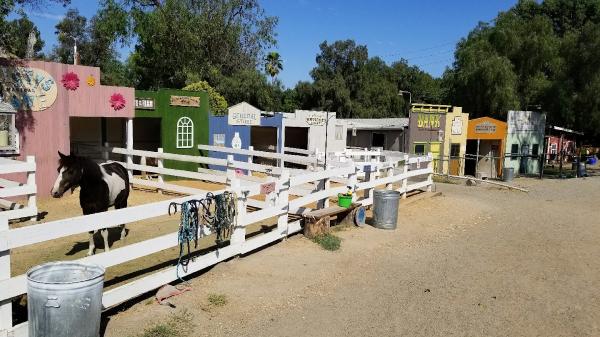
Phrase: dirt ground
x=476 y=261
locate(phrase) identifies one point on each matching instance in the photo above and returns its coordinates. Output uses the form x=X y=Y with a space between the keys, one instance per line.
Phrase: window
x=185 y=133
x=378 y=140
x=454 y=150
x=535 y=150
x=553 y=148
x=514 y=150
x=419 y=148
x=339 y=132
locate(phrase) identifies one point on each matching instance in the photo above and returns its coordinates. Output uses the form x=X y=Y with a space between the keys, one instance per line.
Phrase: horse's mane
x=90 y=168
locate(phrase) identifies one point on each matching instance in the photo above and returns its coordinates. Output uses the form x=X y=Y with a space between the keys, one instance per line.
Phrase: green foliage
x=218 y=104
x=328 y=241
x=179 y=39
x=249 y=86
x=273 y=64
x=15 y=35
x=217 y=300
x=350 y=83
x=536 y=53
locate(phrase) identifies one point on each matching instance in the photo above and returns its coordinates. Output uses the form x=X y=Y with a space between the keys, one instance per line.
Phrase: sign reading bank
x=243 y=114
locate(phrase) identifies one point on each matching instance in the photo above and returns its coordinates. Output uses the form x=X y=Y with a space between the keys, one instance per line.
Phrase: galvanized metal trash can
x=581 y=171
x=385 y=209
x=508 y=173
x=64 y=299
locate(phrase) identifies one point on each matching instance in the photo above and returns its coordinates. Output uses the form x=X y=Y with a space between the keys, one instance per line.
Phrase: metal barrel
x=385 y=209
x=581 y=171
x=508 y=173
x=64 y=299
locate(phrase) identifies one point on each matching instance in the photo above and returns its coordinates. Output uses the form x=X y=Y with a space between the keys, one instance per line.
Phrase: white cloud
x=49 y=16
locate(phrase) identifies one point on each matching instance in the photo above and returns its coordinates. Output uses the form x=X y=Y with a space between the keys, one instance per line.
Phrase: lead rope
x=216 y=212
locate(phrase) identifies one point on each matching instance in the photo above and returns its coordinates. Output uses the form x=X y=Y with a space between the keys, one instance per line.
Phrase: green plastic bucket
x=344 y=200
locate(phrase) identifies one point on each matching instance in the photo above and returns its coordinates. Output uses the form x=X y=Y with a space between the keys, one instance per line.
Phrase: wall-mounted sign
x=457 y=126
x=185 y=101
x=316 y=119
x=219 y=139
x=144 y=103
x=428 y=121
x=485 y=127
x=27 y=88
x=236 y=142
x=248 y=117
x=526 y=121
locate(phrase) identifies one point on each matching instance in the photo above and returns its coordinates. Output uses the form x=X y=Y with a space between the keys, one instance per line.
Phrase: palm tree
x=273 y=64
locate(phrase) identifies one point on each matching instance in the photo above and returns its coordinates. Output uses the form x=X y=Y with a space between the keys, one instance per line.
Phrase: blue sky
x=424 y=32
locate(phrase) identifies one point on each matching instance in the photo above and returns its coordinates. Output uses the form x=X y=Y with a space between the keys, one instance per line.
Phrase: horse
x=102 y=186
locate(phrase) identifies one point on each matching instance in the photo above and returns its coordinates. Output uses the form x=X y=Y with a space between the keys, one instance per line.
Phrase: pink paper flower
x=117 y=101
x=70 y=81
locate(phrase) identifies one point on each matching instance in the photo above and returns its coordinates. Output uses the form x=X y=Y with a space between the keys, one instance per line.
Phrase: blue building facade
x=267 y=137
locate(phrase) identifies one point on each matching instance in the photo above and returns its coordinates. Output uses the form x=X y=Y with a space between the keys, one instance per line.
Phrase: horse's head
x=70 y=171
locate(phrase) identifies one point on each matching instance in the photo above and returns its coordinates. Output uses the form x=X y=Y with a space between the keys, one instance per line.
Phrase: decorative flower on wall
x=70 y=81
x=91 y=81
x=117 y=101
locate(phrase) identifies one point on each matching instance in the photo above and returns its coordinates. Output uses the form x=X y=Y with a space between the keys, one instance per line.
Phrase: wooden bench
x=318 y=222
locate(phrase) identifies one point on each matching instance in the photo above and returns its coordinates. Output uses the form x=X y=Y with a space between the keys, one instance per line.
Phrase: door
x=455 y=159
x=378 y=140
x=434 y=148
x=524 y=159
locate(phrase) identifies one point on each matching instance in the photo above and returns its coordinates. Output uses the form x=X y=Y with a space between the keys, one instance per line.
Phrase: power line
x=417 y=51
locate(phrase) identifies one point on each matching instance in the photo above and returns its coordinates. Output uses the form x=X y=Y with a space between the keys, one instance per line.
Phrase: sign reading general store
x=185 y=101
x=247 y=117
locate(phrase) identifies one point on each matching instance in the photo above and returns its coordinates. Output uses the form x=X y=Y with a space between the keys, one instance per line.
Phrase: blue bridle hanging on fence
x=215 y=212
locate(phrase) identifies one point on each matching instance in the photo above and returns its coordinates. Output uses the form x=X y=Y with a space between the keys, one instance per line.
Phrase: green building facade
x=175 y=120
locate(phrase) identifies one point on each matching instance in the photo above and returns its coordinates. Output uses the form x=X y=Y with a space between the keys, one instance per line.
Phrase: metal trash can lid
x=64 y=273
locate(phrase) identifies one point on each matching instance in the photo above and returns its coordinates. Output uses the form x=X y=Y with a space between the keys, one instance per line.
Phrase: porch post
x=129 y=145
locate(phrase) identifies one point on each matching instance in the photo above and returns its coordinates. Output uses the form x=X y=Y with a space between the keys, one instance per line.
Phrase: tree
x=208 y=35
x=273 y=64
x=12 y=33
x=218 y=104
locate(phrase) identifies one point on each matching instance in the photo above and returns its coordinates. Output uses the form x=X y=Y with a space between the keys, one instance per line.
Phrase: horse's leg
x=104 y=233
x=121 y=202
x=92 y=245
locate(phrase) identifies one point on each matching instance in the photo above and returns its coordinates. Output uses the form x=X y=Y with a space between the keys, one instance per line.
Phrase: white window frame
x=185 y=133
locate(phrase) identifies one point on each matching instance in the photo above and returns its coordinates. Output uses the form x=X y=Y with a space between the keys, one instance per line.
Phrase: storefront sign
x=27 y=88
x=185 y=101
x=251 y=117
x=485 y=127
x=144 y=103
x=526 y=121
x=428 y=121
x=457 y=126
x=316 y=119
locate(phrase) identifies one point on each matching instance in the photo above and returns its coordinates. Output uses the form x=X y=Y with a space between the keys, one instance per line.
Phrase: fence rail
x=11 y=189
x=277 y=205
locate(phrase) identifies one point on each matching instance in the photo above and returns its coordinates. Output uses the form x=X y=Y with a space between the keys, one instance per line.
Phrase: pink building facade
x=50 y=99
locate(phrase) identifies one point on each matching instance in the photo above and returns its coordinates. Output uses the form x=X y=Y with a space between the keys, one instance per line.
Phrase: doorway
x=455 y=159
x=264 y=138
x=296 y=137
x=524 y=159
x=88 y=134
x=378 y=140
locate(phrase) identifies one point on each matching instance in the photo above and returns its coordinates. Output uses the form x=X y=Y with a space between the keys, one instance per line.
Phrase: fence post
x=129 y=146
x=430 y=168
x=250 y=158
x=32 y=198
x=160 y=164
x=353 y=181
x=404 y=179
x=105 y=154
x=390 y=173
x=238 y=237
x=323 y=185
x=5 y=305
x=283 y=186
x=368 y=194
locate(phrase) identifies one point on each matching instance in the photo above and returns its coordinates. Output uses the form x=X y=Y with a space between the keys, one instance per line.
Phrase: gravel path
x=476 y=261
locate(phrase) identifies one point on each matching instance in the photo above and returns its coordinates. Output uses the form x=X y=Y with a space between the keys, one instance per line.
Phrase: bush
x=217 y=103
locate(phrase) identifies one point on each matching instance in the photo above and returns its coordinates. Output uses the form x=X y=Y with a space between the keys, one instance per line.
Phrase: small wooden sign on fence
x=267 y=188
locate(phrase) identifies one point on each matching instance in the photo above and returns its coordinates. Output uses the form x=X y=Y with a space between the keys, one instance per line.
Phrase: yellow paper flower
x=91 y=81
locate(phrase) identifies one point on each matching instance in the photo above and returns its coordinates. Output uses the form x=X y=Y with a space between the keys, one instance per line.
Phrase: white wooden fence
x=10 y=189
x=279 y=206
